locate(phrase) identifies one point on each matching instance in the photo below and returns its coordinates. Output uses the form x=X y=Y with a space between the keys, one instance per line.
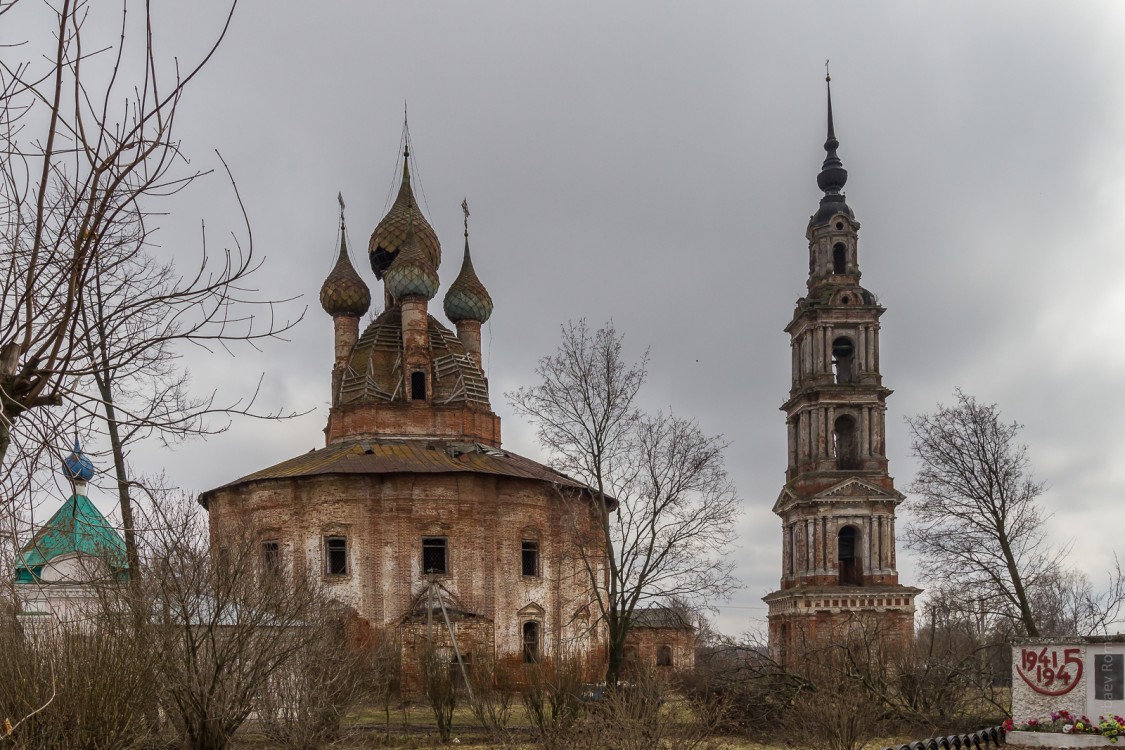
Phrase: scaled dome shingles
x=467 y=299
x=391 y=233
x=411 y=273
x=343 y=292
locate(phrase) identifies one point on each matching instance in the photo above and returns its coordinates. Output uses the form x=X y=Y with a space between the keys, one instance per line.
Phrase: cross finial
x=465 y=208
x=827 y=75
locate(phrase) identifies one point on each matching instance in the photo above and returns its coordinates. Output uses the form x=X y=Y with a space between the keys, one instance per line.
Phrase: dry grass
x=412 y=727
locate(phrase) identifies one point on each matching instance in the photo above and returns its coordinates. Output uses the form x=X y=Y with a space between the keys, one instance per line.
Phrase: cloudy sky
x=654 y=163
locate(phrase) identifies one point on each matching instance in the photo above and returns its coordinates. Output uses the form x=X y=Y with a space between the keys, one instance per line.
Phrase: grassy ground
x=412 y=727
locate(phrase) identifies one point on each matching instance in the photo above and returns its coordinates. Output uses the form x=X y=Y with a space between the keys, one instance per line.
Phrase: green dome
x=467 y=299
x=411 y=272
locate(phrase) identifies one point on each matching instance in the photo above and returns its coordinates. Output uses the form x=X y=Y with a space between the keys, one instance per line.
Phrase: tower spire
x=833 y=176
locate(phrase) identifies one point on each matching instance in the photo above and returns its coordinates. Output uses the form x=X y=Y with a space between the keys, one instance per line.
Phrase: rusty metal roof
x=407 y=457
x=659 y=617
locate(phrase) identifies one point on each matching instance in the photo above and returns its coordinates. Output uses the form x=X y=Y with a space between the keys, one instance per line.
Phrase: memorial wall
x=1085 y=676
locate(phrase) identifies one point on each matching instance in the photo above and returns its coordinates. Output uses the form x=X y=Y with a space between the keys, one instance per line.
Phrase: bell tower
x=838 y=504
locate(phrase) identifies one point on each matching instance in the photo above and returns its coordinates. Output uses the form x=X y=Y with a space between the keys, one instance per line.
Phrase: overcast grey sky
x=654 y=163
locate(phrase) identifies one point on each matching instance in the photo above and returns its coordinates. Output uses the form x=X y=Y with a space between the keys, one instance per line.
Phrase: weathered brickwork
x=384 y=518
x=838 y=504
x=660 y=649
x=412 y=513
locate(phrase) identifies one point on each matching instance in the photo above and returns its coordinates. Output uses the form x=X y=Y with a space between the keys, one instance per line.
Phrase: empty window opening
x=839 y=258
x=271 y=558
x=530 y=558
x=843 y=359
x=531 y=642
x=839 y=225
x=457 y=678
x=844 y=439
x=418 y=386
x=664 y=656
x=850 y=562
x=336 y=555
x=434 y=558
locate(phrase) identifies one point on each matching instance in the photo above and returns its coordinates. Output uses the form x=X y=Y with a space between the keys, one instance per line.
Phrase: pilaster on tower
x=838 y=504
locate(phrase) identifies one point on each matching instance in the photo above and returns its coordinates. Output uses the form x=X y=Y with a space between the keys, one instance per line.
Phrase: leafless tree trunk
x=663 y=506
x=977 y=524
x=87 y=144
x=136 y=313
x=976 y=521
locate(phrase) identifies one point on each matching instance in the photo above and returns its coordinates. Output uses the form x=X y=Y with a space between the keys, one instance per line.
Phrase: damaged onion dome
x=467 y=299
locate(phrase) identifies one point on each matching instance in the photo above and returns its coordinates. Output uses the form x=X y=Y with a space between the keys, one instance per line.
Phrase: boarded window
x=434 y=558
x=531 y=642
x=336 y=555
x=530 y=558
x=418 y=386
x=664 y=655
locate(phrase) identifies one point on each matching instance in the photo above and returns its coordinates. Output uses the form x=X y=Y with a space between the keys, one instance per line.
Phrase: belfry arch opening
x=849 y=561
x=839 y=258
x=843 y=359
x=844 y=442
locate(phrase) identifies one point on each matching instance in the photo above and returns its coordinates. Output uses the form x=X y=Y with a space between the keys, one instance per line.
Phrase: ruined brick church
x=414 y=510
x=838 y=504
x=413 y=513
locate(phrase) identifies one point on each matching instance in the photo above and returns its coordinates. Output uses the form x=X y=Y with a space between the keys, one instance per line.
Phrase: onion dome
x=467 y=299
x=411 y=272
x=77 y=467
x=833 y=176
x=343 y=292
x=390 y=234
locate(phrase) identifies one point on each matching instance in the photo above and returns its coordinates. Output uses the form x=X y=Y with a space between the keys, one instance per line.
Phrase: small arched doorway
x=849 y=561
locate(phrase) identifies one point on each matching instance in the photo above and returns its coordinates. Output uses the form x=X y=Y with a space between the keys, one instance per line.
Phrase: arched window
x=531 y=642
x=839 y=258
x=850 y=562
x=843 y=359
x=664 y=655
x=847 y=452
x=418 y=386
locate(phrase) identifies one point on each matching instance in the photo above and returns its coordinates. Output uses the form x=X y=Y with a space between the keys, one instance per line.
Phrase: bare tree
x=82 y=682
x=976 y=519
x=225 y=621
x=663 y=506
x=135 y=314
x=86 y=145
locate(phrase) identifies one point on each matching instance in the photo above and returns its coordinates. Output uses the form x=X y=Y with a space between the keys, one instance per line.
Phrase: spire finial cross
x=465 y=208
x=827 y=75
